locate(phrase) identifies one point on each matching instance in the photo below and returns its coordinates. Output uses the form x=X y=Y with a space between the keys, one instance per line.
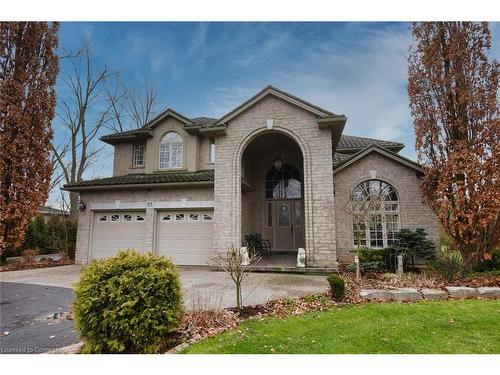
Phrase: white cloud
x=363 y=78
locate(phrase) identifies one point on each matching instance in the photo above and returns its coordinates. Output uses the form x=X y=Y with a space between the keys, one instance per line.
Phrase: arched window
x=375 y=209
x=171 y=151
x=283 y=183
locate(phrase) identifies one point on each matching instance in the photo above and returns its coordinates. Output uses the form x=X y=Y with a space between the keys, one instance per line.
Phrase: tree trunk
x=73 y=205
x=238 y=296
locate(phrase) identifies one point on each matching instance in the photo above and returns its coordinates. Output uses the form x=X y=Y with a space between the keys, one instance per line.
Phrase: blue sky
x=206 y=69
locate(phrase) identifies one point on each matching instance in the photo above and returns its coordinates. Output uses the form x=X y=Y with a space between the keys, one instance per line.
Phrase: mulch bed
x=30 y=264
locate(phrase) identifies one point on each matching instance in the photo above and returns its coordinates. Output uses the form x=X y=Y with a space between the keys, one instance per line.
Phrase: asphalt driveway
x=33 y=318
x=30 y=298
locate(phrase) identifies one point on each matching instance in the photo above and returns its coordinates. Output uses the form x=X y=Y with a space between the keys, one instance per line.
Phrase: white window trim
x=134 y=155
x=383 y=213
x=169 y=165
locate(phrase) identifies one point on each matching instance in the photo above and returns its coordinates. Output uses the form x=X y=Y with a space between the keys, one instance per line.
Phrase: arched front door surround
x=237 y=213
x=315 y=144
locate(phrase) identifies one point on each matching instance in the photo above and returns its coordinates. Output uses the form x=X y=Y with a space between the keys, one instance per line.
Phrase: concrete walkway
x=202 y=288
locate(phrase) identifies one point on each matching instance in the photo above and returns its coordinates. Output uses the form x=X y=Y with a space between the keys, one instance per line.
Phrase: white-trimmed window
x=211 y=155
x=171 y=151
x=138 y=160
x=139 y=218
x=375 y=206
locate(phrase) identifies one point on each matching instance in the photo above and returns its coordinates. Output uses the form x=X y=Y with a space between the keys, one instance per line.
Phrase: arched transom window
x=375 y=211
x=283 y=183
x=171 y=151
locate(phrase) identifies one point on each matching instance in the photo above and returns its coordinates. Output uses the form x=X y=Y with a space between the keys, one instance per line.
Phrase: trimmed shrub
x=373 y=259
x=128 y=304
x=412 y=245
x=337 y=285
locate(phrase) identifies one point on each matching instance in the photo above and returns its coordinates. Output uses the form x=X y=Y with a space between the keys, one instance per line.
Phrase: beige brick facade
x=413 y=212
x=328 y=229
x=122 y=160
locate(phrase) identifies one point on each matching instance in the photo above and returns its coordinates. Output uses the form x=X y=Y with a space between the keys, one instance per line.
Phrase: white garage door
x=186 y=237
x=114 y=231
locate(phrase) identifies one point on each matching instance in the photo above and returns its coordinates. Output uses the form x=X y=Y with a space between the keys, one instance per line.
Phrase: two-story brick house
x=277 y=165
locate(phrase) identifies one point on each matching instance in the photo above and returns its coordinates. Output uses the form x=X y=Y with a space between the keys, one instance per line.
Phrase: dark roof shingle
x=148 y=178
x=350 y=142
x=203 y=121
x=339 y=158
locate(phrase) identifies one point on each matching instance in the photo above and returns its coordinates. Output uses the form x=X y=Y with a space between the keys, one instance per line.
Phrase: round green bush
x=128 y=304
x=337 y=285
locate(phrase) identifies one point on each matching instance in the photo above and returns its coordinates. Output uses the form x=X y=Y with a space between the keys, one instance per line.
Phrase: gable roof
x=206 y=124
x=168 y=112
x=270 y=90
x=342 y=161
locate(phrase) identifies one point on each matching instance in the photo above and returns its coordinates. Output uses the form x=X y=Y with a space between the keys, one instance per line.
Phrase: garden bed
x=28 y=264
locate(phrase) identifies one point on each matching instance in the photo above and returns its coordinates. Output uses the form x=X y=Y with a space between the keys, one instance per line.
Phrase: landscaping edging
x=413 y=294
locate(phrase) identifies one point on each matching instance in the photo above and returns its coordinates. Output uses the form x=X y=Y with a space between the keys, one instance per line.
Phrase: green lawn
x=470 y=326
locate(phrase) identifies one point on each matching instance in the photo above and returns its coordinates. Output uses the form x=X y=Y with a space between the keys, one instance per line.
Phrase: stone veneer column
x=149 y=231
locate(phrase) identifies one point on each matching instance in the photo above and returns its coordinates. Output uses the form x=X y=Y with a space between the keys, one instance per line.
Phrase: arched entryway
x=272 y=191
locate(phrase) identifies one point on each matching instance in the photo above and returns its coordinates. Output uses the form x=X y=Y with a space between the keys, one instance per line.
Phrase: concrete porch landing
x=286 y=262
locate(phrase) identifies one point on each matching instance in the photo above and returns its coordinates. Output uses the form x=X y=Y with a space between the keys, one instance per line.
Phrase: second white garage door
x=186 y=237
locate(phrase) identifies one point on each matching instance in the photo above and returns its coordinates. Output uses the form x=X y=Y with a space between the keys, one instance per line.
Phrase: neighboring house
x=47 y=212
x=277 y=165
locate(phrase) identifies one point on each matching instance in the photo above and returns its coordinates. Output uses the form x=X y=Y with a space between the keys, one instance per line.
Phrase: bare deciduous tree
x=238 y=264
x=81 y=113
x=361 y=208
x=130 y=109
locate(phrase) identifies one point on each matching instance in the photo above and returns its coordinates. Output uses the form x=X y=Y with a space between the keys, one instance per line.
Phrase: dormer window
x=171 y=151
x=138 y=160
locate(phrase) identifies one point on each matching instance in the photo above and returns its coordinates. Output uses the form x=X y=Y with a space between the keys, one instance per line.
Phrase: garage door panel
x=186 y=237
x=114 y=231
